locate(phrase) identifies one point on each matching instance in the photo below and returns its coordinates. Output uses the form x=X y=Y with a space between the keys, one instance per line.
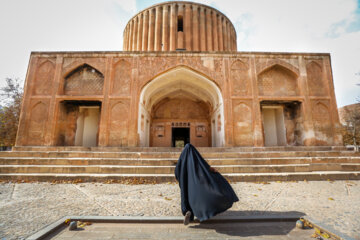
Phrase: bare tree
x=10 y=103
x=351 y=134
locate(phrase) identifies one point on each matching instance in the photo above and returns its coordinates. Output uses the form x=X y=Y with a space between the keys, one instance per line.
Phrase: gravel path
x=27 y=207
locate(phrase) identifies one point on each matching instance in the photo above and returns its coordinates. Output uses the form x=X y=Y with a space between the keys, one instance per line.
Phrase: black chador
x=204 y=191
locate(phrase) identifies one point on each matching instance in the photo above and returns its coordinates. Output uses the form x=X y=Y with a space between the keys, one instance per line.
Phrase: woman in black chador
x=204 y=192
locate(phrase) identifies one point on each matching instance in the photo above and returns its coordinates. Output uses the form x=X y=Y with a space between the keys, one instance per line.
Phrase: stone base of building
x=153 y=165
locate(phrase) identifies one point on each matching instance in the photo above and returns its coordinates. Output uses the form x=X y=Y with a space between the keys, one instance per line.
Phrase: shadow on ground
x=254 y=227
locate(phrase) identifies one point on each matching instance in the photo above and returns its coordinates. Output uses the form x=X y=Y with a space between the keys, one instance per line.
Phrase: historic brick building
x=179 y=79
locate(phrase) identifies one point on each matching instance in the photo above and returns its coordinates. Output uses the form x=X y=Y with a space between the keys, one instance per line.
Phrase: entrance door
x=87 y=126
x=274 y=128
x=180 y=137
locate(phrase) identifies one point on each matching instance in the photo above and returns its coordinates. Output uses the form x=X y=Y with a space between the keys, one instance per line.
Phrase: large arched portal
x=181 y=106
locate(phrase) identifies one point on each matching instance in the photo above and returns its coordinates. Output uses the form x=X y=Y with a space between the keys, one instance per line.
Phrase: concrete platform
x=219 y=227
x=261 y=230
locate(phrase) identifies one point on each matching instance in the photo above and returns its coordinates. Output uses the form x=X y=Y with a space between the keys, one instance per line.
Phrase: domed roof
x=179 y=25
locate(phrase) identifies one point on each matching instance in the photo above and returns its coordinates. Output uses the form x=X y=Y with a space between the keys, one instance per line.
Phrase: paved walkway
x=27 y=207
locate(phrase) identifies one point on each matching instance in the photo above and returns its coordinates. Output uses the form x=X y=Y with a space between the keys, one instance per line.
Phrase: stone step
x=156 y=178
x=147 y=155
x=158 y=164
x=172 y=149
x=172 y=161
x=116 y=169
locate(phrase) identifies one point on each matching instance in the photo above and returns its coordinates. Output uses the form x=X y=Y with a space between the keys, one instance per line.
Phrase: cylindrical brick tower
x=185 y=26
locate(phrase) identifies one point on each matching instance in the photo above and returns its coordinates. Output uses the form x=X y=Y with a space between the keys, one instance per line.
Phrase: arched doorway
x=181 y=106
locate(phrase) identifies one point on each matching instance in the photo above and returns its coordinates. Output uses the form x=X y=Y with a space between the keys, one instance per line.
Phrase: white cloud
x=262 y=25
x=66 y=25
x=301 y=26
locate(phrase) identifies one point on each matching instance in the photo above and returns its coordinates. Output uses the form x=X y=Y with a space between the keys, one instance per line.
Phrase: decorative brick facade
x=216 y=97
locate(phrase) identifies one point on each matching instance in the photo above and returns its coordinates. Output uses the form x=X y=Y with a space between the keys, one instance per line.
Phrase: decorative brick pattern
x=85 y=80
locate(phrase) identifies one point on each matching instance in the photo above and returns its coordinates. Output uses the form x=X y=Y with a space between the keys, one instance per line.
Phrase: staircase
x=249 y=164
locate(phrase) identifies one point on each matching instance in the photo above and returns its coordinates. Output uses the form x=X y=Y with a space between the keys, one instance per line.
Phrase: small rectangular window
x=180 y=24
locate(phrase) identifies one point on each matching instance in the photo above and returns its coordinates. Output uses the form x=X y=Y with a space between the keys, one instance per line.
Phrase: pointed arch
x=182 y=67
x=240 y=79
x=322 y=123
x=80 y=66
x=84 y=80
x=121 y=84
x=277 y=80
x=78 y=62
x=119 y=124
x=314 y=63
x=186 y=82
x=242 y=123
x=273 y=62
x=320 y=112
x=315 y=79
x=173 y=76
x=44 y=78
x=37 y=124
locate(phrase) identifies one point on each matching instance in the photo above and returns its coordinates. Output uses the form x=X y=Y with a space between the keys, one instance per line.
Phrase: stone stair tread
x=170 y=175
x=283 y=165
x=93 y=158
x=90 y=174
x=294 y=173
x=237 y=164
x=164 y=166
x=235 y=150
x=87 y=166
x=161 y=178
x=171 y=159
x=118 y=147
x=245 y=157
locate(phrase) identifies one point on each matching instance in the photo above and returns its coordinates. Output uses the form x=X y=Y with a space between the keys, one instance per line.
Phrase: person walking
x=204 y=191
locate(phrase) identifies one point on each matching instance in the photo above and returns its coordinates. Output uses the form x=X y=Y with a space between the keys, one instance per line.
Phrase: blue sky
x=262 y=25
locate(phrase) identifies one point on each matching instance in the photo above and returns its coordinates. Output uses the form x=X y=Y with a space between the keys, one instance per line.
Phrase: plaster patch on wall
x=208 y=62
x=309 y=134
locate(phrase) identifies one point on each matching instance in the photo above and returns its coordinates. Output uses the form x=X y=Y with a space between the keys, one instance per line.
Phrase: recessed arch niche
x=84 y=80
x=196 y=103
x=278 y=80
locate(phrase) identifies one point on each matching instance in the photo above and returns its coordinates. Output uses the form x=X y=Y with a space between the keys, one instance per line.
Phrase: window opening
x=180 y=24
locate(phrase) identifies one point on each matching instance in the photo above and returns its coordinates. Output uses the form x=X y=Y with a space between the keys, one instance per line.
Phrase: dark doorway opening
x=78 y=123
x=180 y=137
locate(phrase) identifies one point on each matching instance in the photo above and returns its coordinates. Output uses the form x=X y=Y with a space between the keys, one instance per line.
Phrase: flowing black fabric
x=203 y=192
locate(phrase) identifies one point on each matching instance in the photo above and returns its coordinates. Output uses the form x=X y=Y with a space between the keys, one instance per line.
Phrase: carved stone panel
x=122 y=78
x=322 y=123
x=37 y=124
x=242 y=124
x=85 y=80
x=240 y=79
x=315 y=79
x=44 y=78
x=119 y=124
x=159 y=130
x=200 y=130
x=277 y=81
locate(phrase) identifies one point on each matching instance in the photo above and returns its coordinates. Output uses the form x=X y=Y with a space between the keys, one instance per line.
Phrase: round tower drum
x=179 y=26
